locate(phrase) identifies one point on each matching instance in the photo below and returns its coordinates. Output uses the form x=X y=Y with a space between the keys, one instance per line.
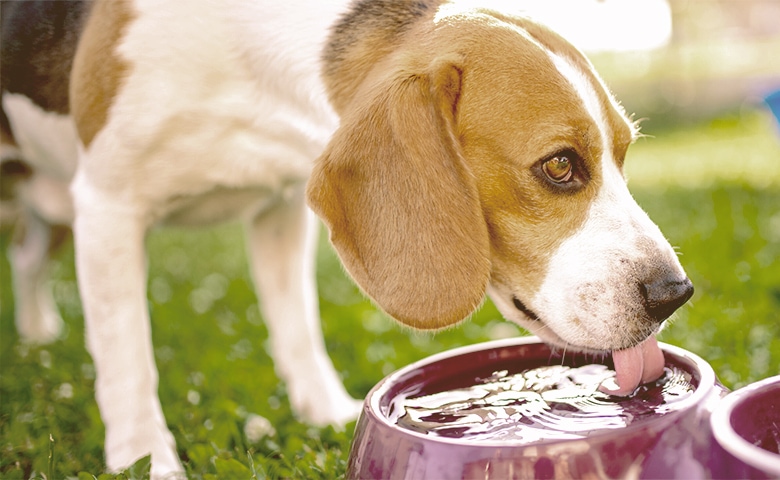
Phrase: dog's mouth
x=523 y=308
x=641 y=363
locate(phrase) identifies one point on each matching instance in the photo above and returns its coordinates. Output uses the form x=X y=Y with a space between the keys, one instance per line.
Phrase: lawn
x=714 y=189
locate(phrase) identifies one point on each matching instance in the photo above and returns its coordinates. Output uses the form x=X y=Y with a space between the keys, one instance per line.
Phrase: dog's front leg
x=111 y=266
x=282 y=243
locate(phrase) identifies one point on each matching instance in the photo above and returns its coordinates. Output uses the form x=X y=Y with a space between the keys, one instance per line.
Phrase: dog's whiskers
x=563 y=355
x=535 y=331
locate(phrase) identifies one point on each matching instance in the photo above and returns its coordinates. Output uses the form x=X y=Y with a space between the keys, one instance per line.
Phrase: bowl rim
x=372 y=406
x=731 y=441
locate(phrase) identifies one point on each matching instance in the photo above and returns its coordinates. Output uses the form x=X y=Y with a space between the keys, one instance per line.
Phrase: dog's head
x=484 y=154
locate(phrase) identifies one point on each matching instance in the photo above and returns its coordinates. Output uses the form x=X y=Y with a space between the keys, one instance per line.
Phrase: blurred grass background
x=708 y=173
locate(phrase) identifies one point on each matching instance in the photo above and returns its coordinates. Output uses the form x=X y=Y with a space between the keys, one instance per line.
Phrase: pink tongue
x=640 y=364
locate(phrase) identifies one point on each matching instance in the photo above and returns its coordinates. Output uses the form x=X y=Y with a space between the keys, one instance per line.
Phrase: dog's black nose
x=663 y=296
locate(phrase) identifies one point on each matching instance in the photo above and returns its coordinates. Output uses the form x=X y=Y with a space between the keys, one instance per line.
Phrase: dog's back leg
x=282 y=244
x=37 y=317
x=38 y=206
x=110 y=259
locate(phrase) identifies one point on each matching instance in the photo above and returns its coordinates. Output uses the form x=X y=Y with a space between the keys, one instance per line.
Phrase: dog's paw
x=165 y=462
x=334 y=409
x=337 y=416
x=129 y=442
x=39 y=325
x=177 y=475
x=350 y=411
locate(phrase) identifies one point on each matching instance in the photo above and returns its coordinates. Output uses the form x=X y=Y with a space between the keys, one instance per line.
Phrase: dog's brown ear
x=401 y=205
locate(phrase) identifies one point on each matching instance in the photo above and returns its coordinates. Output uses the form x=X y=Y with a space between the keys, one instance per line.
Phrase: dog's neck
x=366 y=34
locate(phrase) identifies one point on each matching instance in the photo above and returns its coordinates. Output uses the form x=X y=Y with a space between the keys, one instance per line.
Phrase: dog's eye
x=564 y=171
x=558 y=169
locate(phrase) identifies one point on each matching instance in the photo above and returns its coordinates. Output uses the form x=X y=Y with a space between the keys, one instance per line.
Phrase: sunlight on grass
x=743 y=148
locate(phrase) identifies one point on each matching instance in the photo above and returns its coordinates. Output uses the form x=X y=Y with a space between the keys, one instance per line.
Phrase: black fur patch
x=368 y=18
x=39 y=41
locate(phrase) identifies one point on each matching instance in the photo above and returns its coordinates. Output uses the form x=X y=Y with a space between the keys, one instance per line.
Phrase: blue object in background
x=773 y=101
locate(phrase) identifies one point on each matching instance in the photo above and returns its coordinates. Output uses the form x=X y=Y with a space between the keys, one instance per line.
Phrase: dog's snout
x=665 y=295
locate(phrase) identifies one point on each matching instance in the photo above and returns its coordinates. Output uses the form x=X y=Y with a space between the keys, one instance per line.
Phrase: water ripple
x=552 y=402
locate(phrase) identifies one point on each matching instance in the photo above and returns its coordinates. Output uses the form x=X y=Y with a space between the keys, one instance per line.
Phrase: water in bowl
x=544 y=403
x=768 y=439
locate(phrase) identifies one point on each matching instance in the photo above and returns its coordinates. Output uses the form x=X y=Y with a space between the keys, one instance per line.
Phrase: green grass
x=721 y=210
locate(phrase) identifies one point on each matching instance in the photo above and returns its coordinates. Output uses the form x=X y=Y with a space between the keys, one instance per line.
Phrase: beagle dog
x=452 y=150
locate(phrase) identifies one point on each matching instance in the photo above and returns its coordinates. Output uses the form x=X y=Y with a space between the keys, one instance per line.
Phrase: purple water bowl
x=746 y=426
x=673 y=443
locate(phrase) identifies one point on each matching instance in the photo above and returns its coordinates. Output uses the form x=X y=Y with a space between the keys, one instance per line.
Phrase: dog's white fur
x=240 y=143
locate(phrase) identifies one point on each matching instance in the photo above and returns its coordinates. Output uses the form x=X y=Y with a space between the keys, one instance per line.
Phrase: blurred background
x=696 y=72
x=672 y=60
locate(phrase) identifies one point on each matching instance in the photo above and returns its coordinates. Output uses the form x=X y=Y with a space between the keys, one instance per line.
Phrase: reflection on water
x=546 y=403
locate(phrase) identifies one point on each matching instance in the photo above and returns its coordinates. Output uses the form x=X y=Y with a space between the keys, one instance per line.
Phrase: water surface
x=545 y=403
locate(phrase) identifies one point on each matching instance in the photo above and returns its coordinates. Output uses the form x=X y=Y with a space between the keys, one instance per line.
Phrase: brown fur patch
x=516 y=111
x=401 y=204
x=13 y=169
x=622 y=132
x=6 y=138
x=98 y=71
x=12 y=172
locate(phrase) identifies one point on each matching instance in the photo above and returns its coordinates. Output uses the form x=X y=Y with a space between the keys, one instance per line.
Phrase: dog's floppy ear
x=401 y=205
